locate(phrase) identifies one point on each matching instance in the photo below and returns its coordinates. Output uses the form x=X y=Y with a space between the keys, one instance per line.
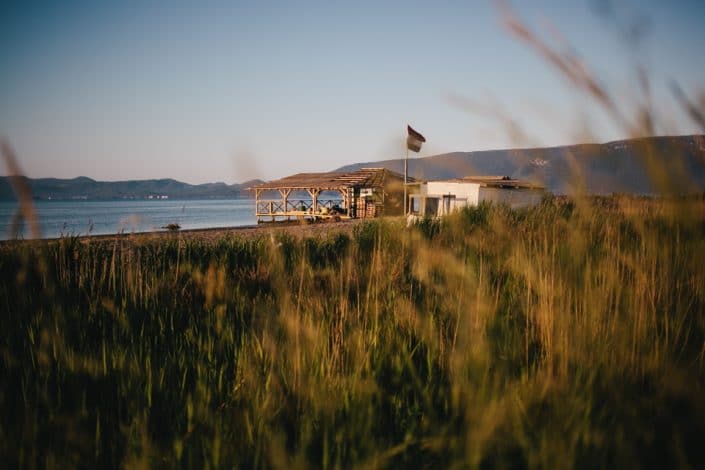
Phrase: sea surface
x=69 y=218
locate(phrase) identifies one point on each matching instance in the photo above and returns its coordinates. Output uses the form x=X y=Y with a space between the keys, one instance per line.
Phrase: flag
x=414 y=140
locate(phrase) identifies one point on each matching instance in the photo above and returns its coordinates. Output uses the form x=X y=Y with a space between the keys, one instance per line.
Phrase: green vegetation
x=87 y=188
x=568 y=335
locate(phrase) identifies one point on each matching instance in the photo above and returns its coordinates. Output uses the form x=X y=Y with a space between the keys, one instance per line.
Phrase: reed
x=570 y=334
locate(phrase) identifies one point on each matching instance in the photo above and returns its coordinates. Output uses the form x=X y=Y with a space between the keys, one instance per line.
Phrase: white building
x=436 y=198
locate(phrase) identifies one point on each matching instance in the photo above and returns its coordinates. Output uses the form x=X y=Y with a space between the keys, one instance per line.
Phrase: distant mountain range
x=87 y=188
x=626 y=166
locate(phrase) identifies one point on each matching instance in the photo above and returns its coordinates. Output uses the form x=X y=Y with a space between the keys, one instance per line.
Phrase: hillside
x=625 y=166
x=87 y=188
x=613 y=167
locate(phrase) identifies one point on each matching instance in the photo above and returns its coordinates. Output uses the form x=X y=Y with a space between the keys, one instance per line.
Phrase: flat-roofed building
x=436 y=198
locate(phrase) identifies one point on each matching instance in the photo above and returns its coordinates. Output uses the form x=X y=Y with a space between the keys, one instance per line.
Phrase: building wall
x=467 y=191
x=441 y=197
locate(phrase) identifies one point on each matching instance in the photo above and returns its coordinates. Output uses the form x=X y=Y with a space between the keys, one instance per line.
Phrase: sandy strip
x=214 y=234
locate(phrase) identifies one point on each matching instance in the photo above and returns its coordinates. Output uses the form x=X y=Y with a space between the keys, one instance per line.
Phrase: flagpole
x=406 y=173
x=413 y=142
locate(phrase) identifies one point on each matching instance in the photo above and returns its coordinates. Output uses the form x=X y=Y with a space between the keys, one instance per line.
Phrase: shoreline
x=210 y=234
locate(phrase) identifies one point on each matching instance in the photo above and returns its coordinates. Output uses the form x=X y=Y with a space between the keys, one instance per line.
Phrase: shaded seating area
x=367 y=192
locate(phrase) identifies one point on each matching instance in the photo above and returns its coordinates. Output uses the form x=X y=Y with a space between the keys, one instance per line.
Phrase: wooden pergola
x=362 y=193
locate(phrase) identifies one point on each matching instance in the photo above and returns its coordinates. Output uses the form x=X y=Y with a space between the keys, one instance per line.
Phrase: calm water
x=59 y=218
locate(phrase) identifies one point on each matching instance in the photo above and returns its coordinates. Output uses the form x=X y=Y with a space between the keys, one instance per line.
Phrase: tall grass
x=570 y=334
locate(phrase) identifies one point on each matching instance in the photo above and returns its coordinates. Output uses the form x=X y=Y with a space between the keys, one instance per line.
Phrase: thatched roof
x=362 y=178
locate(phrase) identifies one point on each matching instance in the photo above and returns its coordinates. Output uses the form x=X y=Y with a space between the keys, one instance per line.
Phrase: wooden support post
x=354 y=196
x=348 y=202
x=345 y=199
x=257 y=193
x=314 y=200
x=285 y=198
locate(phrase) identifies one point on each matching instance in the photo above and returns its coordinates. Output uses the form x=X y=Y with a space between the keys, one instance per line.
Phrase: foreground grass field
x=568 y=335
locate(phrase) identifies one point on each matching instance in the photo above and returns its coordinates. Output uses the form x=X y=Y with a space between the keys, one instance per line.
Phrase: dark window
x=431 y=206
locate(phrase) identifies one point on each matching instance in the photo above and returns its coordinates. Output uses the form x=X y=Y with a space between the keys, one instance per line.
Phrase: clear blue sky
x=230 y=91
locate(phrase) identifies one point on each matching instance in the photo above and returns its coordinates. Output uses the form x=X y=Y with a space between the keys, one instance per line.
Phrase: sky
x=231 y=91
